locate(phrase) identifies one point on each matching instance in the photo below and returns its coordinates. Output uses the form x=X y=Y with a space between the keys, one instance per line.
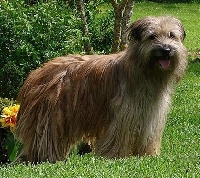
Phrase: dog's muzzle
x=163 y=55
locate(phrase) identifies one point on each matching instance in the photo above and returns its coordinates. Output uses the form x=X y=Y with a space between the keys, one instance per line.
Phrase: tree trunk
x=126 y=23
x=117 y=30
x=86 y=41
x=123 y=13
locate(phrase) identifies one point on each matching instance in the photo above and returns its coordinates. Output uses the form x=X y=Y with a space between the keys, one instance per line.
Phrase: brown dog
x=118 y=102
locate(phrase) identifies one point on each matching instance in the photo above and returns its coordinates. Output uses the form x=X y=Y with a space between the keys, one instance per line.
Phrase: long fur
x=118 y=103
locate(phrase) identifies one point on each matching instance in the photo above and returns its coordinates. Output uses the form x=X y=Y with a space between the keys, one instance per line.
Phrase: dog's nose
x=165 y=50
x=162 y=51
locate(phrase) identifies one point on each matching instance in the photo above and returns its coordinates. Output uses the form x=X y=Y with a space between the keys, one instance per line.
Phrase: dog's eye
x=152 y=37
x=172 y=35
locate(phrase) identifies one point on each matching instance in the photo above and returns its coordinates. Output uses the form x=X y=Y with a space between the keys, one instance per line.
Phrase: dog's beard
x=163 y=59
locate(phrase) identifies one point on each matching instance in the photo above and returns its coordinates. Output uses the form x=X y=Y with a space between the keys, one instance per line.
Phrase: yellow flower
x=9 y=115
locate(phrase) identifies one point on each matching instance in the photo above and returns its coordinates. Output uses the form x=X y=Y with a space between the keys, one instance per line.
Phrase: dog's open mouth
x=164 y=62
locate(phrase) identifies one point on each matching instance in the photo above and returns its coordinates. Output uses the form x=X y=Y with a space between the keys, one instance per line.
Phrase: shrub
x=101 y=26
x=176 y=1
x=30 y=35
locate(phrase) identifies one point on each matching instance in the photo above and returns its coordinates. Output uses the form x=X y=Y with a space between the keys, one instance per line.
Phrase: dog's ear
x=181 y=29
x=183 y=33
x=135 y=30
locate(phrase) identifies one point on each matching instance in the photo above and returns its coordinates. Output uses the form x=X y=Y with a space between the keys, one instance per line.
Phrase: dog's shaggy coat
x=118 y=103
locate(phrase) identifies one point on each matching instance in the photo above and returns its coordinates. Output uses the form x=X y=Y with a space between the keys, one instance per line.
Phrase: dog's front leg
x=115 y=143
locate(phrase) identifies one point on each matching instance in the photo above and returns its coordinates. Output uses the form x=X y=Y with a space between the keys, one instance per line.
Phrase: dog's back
x=65 y=92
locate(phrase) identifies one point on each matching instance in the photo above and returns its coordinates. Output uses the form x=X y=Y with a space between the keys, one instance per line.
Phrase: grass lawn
x=180 y=154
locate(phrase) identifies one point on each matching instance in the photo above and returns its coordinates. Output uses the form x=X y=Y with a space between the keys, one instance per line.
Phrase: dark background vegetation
x=30 y=35
x=176 y=1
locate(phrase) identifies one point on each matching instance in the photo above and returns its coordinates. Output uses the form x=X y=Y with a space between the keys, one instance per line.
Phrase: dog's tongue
x=164 y=63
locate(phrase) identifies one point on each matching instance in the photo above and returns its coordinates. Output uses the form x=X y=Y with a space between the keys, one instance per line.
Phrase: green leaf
x=12 y=146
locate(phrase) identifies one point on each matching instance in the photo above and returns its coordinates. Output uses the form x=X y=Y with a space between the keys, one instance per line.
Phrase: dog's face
x=157 y=42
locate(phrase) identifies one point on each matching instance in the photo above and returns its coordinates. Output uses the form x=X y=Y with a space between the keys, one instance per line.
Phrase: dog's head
x=157 y=41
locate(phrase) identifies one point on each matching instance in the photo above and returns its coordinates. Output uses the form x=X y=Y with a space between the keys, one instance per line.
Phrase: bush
x=101 y=26
x=30 y=35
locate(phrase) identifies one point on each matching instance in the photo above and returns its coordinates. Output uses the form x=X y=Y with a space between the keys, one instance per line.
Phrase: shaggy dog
x=117 y=103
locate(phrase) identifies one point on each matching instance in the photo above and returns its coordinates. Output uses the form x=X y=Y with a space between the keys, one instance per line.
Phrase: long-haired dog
x=118 y=103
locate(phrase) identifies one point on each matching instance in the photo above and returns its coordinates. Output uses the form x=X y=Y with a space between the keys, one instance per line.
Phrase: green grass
x=180 y=154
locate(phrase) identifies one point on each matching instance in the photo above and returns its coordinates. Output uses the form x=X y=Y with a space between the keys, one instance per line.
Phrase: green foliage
x=10 y=145
x=101 y=26
x=4 y=102
x=30 y=35
x=176 y=1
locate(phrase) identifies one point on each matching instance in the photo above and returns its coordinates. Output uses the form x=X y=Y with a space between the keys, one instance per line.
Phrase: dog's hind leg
x=47 y=138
